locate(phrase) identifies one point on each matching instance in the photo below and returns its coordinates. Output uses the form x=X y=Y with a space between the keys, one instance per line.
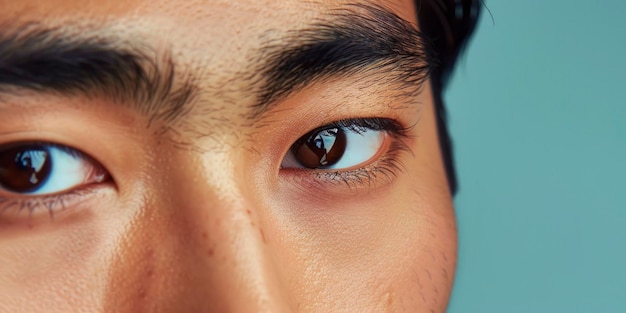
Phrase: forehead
x=220 y=43
x=212 y=39
x=221 y=26
x=200 y=34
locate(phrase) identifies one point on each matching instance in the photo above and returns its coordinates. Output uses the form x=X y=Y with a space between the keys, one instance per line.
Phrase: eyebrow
x=47 y=60
x=356 y=39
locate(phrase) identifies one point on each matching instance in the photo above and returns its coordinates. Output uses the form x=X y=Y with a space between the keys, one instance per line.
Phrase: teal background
x=538 y=117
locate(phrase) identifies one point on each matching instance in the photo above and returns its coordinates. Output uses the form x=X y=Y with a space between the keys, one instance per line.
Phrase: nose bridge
x=229 y=258
x=201 y=247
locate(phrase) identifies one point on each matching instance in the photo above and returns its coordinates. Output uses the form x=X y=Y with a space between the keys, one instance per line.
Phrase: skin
x=201 y=217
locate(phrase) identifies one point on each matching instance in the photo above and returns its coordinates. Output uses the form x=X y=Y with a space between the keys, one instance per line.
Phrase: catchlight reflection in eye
x=41 y=169
x=335 y=148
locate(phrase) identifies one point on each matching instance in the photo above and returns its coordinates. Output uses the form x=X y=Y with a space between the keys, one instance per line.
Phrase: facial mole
x=142 y=294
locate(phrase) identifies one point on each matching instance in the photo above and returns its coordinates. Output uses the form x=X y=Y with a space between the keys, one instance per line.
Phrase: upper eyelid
x=374 y=123
x=65 y=147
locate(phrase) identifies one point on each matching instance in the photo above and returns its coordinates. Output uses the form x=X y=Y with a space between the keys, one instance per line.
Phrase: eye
x=341 y=145
x=42 y=169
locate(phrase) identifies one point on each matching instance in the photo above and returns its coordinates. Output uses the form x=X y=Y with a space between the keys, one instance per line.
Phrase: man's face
x=227 y=156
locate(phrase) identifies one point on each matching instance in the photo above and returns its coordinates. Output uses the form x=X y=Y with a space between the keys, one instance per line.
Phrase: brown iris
x=320 y=148
x=24 y=168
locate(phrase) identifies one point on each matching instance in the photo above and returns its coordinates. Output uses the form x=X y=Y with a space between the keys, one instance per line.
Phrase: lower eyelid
x=18 y=209
x=387 y=164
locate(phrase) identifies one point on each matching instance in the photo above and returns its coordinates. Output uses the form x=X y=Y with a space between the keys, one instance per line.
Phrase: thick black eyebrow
x=356 y=39
x=49 y=60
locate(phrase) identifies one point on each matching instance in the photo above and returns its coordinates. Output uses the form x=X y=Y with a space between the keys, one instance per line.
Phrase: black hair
x=448 y=25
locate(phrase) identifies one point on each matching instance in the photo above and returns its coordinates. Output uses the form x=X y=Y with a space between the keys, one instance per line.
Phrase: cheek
x=54 y=265
x=393 y=249
x=425 y=256
x=425 y=245
x=415 y=253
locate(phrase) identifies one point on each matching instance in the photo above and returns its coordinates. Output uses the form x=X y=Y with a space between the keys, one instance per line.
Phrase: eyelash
x=51 y=203
x=387 y=167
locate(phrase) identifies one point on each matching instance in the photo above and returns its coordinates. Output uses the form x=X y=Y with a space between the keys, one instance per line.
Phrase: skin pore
x=184 y=114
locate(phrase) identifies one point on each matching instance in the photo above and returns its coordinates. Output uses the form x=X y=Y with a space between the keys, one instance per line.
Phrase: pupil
x=24 y=168
x=320 y=148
